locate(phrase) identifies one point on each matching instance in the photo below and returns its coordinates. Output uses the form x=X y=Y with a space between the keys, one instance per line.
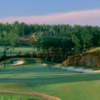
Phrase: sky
x=81 y=12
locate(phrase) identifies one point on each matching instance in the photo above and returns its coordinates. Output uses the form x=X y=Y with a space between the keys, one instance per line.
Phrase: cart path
x=48 y=97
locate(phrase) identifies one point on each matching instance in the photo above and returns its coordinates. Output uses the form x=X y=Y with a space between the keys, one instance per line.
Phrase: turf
x=16 y=50
x=66 y=85
x=21 y=96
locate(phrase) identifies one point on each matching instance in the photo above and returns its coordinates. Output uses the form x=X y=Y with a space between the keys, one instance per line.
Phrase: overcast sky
x=81 y=12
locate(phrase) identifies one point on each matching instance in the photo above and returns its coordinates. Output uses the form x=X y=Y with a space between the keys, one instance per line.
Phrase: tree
x=0 y=38
x=32 y=43
x=5 y=49
x=5 y=40
x=13 y=40
x=87 y=37
x=76 y=38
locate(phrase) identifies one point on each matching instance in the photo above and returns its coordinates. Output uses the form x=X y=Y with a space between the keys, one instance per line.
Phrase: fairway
x=16 y=50
x=66 y=85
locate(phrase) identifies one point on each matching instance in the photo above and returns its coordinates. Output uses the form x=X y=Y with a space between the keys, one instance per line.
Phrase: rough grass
x=7 y=97
x=14 y=96
x=66 y=85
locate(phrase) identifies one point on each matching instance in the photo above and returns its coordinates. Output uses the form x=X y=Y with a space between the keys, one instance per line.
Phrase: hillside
x=90 y=58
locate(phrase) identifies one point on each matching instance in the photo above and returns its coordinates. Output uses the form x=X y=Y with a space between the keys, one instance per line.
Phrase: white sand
x=72 y=68
x=17 y=63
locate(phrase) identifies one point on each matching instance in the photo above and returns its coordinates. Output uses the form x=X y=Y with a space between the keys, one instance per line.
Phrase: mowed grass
x=16 y=50
x=66 y=85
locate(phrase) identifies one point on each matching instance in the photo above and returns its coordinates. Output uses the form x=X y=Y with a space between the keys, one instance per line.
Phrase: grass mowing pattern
x=66 y=85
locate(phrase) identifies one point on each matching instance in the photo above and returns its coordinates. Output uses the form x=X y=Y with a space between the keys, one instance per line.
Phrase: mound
x=91 y=59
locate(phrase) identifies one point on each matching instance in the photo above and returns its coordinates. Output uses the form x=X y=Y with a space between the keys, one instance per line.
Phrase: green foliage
x=46 y=58
x=27 y=54
x=52 y=59
x=34 y=54
x=40 y=34
x=64 y=36
x=18 y=53
x=7 y=48
x=0 y=58
x=59 y=60
x=3 y=56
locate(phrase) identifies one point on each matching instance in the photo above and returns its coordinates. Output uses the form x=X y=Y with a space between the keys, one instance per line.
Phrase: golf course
x=49 y=62
x=34 y=77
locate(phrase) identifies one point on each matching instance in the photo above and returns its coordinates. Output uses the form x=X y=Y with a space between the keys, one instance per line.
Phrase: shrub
x=27 y=54
x=34 y=54
x=59 y=60
x=46 y=58
x=52 y=59
x=0 y=58
x=18 y=53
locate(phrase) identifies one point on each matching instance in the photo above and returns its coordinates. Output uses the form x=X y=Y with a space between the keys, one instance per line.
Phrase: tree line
x=72 y=39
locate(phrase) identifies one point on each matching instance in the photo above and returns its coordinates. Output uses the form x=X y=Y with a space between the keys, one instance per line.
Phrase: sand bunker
x=17 y=63
x=72 y=68
x=40 y=64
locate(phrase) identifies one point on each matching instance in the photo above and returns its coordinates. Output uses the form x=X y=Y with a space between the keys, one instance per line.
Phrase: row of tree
x=76 y=38
x=54 y=47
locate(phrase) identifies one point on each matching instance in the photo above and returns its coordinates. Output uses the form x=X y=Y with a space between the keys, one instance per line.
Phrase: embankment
x=91 y=59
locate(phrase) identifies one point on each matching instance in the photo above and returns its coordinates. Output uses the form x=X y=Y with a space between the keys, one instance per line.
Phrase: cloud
x=86 y=17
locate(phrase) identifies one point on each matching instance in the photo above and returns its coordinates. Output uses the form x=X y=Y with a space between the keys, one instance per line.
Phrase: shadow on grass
x=44 y=75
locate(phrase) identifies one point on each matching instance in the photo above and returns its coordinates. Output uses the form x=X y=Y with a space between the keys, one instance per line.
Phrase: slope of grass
x=66 y=85
x=28 y=62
